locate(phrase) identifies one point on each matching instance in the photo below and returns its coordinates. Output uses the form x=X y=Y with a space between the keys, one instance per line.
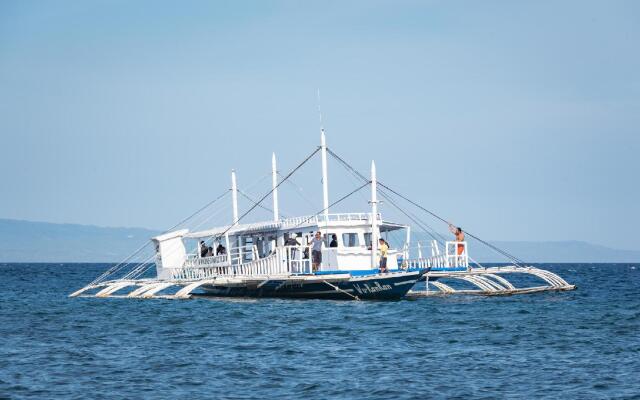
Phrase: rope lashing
x=337 y=289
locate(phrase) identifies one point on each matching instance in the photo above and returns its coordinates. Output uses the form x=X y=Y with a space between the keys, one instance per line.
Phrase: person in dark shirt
x=334 y=241
x=203 y=249
x=220 y=250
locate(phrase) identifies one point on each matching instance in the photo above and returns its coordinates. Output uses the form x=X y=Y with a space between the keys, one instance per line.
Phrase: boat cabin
x=243 y=244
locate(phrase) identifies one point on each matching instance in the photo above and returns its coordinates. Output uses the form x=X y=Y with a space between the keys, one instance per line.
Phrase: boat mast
x=325 y=179
x=234 y=196
x=374 y=217
x=325 y=182
x=274 y=183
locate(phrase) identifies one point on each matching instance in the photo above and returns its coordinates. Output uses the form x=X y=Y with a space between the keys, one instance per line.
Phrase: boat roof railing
x=303 y=222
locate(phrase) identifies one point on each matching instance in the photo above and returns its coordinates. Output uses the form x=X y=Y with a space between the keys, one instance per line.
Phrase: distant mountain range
x=26 y=241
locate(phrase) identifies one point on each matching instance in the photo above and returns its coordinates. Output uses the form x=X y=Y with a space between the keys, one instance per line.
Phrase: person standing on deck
x=220 y=250
x=457 y=231
x=203 y=249
x=334 y=241
x=384 y=249
x=316 y=251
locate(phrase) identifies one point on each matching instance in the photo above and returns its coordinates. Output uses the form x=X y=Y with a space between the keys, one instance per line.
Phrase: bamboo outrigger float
x=279 y=258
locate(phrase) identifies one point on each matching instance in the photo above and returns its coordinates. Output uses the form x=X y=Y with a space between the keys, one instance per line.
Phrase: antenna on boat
x=374 y=216
x=320 y=112
x=274 y=182
x=234 y=196
x=325 y=179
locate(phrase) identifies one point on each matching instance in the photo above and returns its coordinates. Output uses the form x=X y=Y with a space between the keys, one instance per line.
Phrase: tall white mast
x=325 y=181
x=274 y=183
x=374 y=217
x=234 y=196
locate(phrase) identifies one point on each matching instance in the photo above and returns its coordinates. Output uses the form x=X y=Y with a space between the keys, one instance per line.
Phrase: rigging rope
x=226 y=207
x=332 y=204
x=125 y=263
x=199 y=211
x=246 y=196
x=504 y=253
x=509 y=256
x=269 y=193
x=299 y=191
x=143 y=267
x=421 y=224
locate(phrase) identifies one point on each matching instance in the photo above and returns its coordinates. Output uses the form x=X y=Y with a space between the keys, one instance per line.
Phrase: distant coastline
x=44 y=242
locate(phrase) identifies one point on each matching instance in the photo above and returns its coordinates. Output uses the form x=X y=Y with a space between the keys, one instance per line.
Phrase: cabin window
x=367 y=239
x=350 y=239
x=328 y=238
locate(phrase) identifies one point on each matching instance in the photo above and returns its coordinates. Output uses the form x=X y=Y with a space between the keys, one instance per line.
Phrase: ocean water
x=570 y=345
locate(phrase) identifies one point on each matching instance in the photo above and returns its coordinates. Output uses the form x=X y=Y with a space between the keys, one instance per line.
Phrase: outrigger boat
x=272 y=258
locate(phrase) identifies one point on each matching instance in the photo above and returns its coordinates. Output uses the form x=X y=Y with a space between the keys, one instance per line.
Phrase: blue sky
x=515 y=120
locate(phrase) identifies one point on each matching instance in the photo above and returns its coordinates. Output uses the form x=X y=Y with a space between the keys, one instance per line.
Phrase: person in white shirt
x=316 y=251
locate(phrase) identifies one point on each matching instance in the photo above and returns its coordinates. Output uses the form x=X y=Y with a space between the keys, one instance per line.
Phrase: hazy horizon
x=516 y=121
x=416 y=235
x=29 y=241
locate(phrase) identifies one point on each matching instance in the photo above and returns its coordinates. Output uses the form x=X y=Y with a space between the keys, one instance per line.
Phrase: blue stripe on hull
x=354 y=272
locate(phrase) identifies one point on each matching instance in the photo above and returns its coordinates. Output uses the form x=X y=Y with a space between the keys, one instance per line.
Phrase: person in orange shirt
x=457 y=231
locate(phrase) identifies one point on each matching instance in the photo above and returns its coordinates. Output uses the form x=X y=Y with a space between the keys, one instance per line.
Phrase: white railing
x=285 y=260
x=298 y=259
x=198 y=262
x=434 y=262
x=341 y=217
x=457 y=254
x=311 y=219
x=236 y=255
x=320 y=219
x=199 y=273
x=270 y=265
x=451 y=258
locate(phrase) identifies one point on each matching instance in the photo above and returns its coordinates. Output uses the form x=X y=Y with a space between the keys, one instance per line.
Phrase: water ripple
x=582 y=344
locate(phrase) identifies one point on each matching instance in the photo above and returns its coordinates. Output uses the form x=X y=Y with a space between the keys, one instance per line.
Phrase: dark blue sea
x=583 y=344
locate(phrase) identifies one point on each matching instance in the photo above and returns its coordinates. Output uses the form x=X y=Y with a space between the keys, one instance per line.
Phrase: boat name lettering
x=365 y=288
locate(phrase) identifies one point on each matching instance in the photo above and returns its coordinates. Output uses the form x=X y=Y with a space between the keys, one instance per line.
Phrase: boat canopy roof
x=300 y=223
